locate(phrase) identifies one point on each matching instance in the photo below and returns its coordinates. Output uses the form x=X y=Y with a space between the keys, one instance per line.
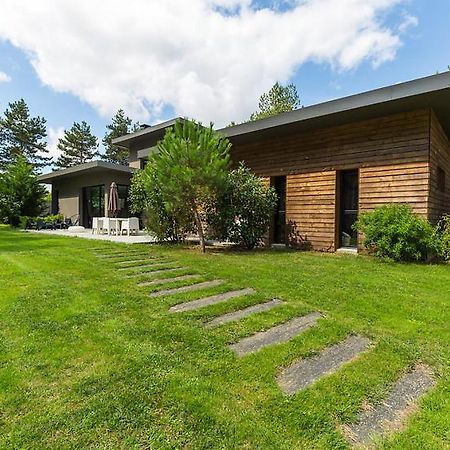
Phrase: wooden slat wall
x=391 y=152
x=310 y=206
x=399 y=183
x=439 y=157
x=396 y=139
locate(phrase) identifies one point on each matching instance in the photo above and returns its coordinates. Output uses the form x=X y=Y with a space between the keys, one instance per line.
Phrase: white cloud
x=408 y=22
x=53 y=136
x=4 y=77
x=208 y=59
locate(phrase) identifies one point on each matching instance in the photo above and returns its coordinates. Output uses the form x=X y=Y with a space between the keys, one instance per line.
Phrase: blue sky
x=424 y=50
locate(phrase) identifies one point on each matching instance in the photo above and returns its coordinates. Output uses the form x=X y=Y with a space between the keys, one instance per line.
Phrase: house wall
x=70 y=190
x=439 y=157
x=391 y=153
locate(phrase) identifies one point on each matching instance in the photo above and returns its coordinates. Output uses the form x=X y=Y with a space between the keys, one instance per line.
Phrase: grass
x=88 y=360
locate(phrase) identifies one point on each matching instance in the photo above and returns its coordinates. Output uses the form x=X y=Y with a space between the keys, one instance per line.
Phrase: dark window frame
x=441 y=175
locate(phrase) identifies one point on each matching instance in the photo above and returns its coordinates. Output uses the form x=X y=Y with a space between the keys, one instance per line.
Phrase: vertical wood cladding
x=392 y=154
x=439 y=202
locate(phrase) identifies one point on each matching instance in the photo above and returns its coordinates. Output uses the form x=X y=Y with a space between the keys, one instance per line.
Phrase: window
x=441 y=179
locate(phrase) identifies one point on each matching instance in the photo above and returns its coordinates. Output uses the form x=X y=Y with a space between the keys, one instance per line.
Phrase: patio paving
x=141 y=238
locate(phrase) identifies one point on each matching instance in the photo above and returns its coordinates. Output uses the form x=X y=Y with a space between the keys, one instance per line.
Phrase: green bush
x=441 y=238
x=20 y=192
x=394 y=231
x=158 y=216
x=241 y=212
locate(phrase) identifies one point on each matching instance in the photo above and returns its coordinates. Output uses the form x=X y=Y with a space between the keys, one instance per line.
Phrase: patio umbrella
x=113 y=201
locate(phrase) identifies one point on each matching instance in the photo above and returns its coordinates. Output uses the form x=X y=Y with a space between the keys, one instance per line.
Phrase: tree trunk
x=199 y=225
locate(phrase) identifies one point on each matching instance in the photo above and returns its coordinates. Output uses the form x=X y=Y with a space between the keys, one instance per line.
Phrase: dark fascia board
x=145 y=152
x=125 y=140
x=401 y=91
x=93 y=165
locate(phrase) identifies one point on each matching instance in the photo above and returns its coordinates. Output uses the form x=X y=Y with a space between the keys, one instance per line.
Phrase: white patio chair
x=110 y=225
x=97 y=225
x=131 y=226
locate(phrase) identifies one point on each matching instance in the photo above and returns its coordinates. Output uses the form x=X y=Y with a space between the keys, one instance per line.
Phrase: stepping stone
x=240 y=314
x=145 y=266
x=191 y=287
x=168 y=280
x=212 y=300
x=133 y=261
x=305 y=372
x=150 y=272
x=276 y=335
x=389 y=415
x=120 y=255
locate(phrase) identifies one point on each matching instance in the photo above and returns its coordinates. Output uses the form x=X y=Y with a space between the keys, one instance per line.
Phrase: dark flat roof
x=93 y=166
x=429 y=92
x=155 y=130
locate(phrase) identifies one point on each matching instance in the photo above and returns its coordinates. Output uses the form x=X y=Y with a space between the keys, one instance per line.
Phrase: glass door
x=279 y=219
x=349 y=187
x=93 y=204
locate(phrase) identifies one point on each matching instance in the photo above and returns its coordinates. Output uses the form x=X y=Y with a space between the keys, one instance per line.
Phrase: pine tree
x=119 y=126
x=278 y=100
x=22 y=135
x=78 y=146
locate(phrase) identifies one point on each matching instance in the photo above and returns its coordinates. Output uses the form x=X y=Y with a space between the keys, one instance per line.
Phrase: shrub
x=20 y=192
x=242 y=212
x=441 y=238
x=159 y=217
x=394 y=231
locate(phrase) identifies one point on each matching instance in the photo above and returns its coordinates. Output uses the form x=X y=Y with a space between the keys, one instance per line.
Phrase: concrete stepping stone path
x=275 y=335
x=133 y=269
x=304 y=373
x=156 y=271
x=212 y=300
x=132 y=262
x=168 y=280
x=241 y=313
x=389 y=415
x=189 y=288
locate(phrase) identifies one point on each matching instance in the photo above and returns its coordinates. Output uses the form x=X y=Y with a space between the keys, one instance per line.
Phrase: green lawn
x=89 y=360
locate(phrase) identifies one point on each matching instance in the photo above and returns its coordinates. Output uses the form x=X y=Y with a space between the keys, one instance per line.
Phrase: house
x=330 y=162
x=81 y=192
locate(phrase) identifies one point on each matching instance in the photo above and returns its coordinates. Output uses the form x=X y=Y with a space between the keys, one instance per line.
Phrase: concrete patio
x=141 y=238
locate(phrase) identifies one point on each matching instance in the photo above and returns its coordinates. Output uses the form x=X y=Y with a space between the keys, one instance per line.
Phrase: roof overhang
x=430 y=92
x=92 y=167
x=155 y=132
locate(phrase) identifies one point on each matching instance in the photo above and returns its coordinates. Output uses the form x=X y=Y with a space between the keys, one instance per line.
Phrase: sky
x=207 y=59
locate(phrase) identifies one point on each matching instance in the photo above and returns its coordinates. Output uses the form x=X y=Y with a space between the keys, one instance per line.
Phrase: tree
x=169 y=221
x=119 y=126
x=22 y=135
x=20 y=192
x=78 y=146
x=278 y=100
x=242 y=212
x=191 y=166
